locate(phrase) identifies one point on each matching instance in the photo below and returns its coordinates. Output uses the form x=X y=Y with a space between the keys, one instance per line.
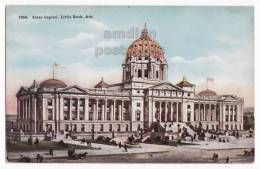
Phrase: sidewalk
x=102 y=150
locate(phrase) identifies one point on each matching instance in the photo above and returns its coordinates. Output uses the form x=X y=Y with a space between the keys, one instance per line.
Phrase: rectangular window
x=110 y=127
x=139 y=73
x=188 y=106
x=189 y=115
x=91 y=115
x=49 y=102
x=146 y=73
x=50 y=114
x=66 y=115
x=81 y=115
x=74 y=115
x=101 y=127
x=138 y=116
x=138 y=104
x=226 y=117
x=66 y=102
x=82 y=127
x=81 y=103
x=74 y=103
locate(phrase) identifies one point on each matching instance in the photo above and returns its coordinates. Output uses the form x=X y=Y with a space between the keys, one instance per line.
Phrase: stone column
x=43 y=109
x=120 y=110
x=61 y=108
x=111 y=112
x=234 y=112
x=70 y=109
x=229 y=107
x=96 y=110
x=165 y=111
x=35 y=113
x=114 y=109
x=78 y=99
x=177 y=111
x=18 y=110
x=160 y=111
x=29 y=108
x=102 y=110
x=199 y=113
x=86 y=109
x=53 y=111
x=105 y=110
x=171 y=103
x=25 y=105
x=204 y=112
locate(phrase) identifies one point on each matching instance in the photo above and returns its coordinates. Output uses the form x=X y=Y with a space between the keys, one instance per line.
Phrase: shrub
x=25 y=160
x=61 y=143
x=157 y=139
x=113 y=142
x=148 y=140
x=107 y=140
x=100 y=139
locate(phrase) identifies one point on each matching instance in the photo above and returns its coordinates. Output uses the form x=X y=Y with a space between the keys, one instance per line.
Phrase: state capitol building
x=144 y=97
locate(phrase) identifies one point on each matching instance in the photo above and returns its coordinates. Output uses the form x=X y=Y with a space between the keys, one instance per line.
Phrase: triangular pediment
x=22 y=91
x=229 y=98
x=166 y=86
x=74 y=89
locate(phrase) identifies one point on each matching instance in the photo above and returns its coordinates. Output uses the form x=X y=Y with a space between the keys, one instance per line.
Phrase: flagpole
x=207 y=84
x=53 y=71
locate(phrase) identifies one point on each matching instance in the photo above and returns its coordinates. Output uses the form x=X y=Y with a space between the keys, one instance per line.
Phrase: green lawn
x=43 y=145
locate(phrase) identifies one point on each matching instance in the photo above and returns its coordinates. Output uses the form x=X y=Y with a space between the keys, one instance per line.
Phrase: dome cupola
x=145 y=46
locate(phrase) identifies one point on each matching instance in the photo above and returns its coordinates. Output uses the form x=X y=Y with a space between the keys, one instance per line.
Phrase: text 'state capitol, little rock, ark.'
x=145 y=99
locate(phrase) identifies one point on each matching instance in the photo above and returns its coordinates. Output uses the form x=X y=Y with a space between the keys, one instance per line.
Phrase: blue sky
x=199 y=42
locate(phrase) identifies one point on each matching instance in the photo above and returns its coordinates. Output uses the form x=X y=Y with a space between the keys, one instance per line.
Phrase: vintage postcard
x=130 y=84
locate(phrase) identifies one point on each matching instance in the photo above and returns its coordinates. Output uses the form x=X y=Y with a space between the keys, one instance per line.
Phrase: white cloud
x=97 y=24
x=80 y=40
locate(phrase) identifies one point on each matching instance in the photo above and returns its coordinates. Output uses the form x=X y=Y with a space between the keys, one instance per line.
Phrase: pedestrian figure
x=227 y=160
x=214 y=156
x=51 y=152
x=125 y=148
x=41 y=159
x=38 y=157
x=119 y=145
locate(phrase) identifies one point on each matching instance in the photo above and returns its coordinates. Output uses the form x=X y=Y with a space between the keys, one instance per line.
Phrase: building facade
x=144 y=97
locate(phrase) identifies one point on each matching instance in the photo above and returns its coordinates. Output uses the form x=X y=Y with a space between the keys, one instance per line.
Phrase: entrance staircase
x=175 y=126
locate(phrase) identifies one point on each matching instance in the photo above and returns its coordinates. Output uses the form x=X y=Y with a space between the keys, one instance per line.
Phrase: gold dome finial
x=144 y=31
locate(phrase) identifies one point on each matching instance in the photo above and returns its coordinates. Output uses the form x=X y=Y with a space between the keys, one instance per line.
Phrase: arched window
x=138 y=115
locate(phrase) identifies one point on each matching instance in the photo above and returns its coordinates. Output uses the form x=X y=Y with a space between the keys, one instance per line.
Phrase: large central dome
x=145 y=46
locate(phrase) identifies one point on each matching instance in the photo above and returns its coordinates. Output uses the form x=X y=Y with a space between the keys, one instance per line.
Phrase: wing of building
x=144 y=97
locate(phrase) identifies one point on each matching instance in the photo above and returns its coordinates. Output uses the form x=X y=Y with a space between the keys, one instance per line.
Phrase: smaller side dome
x=53 y=83
x=101 y=84
x=207 y=92
x=184 y=83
